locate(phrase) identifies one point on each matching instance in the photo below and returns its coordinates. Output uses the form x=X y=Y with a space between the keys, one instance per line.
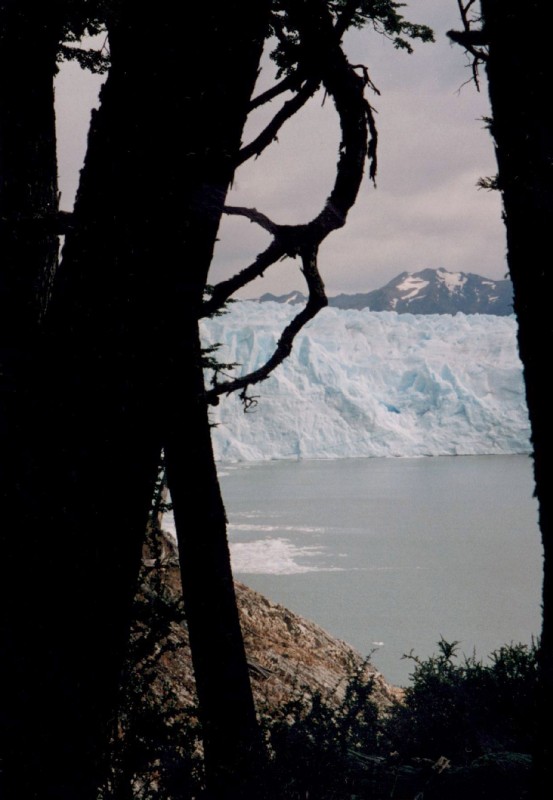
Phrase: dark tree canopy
x=101 y=361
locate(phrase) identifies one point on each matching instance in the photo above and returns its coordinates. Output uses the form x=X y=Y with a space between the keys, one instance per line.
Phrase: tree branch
x=346 y=17
x=254 y=216
x=269 y=133
x=473 y=41
x=356 y=118
x=324 y=57
x=317 y=300
x=289 y=83
x=464 y=10
x=225 y=289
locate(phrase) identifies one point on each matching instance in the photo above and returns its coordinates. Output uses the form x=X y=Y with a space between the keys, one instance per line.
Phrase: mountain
x=292 y=298
x=430 y=291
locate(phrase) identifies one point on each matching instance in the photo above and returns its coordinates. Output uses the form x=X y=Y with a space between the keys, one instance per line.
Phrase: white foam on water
x=233 y=526
x=277 y=556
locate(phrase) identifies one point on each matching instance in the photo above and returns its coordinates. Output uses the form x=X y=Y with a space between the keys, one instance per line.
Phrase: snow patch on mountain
x=361 y=383
x=411 y=286
x=454 y=281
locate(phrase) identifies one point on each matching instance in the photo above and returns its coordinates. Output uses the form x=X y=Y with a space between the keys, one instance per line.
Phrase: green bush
x=321 y=750
x=464 y=708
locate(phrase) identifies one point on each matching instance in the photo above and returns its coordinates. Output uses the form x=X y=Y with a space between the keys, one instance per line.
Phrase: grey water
x=392 y=554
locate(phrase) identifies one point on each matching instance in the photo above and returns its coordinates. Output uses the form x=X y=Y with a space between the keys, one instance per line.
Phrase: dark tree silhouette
x=112 y=373
x=520 y=74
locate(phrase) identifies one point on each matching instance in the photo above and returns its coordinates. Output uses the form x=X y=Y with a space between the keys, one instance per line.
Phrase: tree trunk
x=29 y=39
x=28 y=203
x=233 y=752
x=119 y=378
x=520 y=75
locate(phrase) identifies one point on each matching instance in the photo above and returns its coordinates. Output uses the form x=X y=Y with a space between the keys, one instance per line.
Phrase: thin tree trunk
x=520 y=75
x=233 y=750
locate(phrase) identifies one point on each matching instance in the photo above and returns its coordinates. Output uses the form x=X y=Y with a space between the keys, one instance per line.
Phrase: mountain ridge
x=429 y=291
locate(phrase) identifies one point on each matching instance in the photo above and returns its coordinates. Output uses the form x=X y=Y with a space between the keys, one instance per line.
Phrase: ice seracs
x=360 y=383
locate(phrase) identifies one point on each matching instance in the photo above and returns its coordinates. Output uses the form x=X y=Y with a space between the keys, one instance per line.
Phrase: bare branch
x=373 y=143
x=464 y=10
x=356 y=122
x=317 y=300
x=254 y=216
x=269 y=133
x=473 y=40
x=225 y=289
x=356 y=119
x=289 y=83
x=366 y=77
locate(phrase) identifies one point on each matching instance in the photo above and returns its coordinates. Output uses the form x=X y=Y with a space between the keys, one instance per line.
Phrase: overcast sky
x=426 y=210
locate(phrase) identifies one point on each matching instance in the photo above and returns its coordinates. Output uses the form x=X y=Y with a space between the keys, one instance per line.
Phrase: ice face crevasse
x=361 y=383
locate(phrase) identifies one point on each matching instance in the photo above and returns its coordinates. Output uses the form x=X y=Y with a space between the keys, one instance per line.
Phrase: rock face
x=156 y=747
x=156 y=742
x=285 y=652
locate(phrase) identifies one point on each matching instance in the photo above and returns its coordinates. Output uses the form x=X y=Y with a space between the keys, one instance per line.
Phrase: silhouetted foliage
x=462 y=729
x=318 y=748
x=156 y=743
x=465 y=708
x=100 y=357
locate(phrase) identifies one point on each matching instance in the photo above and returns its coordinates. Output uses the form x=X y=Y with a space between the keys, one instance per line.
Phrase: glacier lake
x=389 y=554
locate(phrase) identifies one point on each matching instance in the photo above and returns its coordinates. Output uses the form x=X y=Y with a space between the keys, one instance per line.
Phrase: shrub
x=463 y=709
x=320 y=750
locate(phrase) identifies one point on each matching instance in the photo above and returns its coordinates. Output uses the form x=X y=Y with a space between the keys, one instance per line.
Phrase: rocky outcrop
x=157 y=744
x=286 y=653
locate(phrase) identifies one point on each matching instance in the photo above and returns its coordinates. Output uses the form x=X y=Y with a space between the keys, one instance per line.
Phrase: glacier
x=367 y=384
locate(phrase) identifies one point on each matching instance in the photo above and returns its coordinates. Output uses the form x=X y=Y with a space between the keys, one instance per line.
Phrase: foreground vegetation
x=463 y=728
